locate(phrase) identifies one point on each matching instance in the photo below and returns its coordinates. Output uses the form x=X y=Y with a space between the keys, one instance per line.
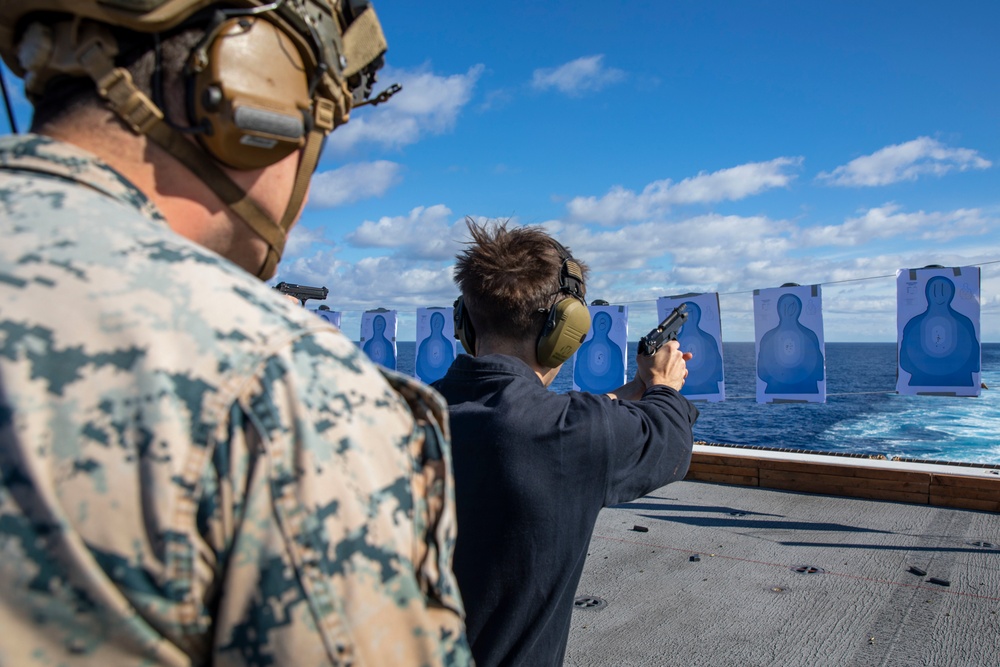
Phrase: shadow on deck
x=834 y=564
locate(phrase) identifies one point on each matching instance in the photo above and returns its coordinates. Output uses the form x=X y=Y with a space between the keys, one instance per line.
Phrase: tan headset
x=269 y=78
x=249 y=93
x=566 y=324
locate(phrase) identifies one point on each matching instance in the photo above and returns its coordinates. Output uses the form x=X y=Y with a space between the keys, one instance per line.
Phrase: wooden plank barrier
x=969 y=493
x=907 y=484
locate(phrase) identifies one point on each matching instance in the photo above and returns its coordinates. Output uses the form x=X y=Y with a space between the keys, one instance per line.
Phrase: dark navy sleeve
x=650 y=443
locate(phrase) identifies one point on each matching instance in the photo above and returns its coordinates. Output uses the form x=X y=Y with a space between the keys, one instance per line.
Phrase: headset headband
x=570 y=274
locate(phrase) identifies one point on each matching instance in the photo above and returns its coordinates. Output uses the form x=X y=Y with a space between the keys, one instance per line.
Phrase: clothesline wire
x=828 y=282
x=844 y=393
x=750 y=291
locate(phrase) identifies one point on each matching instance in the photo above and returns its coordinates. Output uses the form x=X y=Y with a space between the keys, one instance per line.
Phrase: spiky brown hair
x=509 y=278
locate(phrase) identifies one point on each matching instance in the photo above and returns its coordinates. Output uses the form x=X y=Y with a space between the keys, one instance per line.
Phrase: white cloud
x=428 y=104
x=890 y=221
x=498 y=99
x=303 y=238
x=904 y=162
x=397 y=281
x=425 y=233
x=634 y=265
x=410 y=283
x=623 y=205
x=577 y=77
x=353 y=182
x=390 y=282
x=316 y=268
x=617 y=249
x=712 y=241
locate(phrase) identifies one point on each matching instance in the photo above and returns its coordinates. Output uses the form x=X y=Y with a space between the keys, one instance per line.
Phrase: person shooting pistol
x=534 y=467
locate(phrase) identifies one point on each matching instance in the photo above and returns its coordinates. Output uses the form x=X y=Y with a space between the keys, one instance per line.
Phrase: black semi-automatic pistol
x=302 y=292
x=654 y=340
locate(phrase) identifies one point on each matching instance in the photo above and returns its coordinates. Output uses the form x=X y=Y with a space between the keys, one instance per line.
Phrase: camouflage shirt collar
x=33 y=152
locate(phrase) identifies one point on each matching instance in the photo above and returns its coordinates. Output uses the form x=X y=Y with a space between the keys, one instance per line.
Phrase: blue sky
x=674 y=146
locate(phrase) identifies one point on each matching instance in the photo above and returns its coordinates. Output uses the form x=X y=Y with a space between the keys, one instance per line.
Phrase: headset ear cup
x=251 y=95
x=564 y=332
x=463 y=327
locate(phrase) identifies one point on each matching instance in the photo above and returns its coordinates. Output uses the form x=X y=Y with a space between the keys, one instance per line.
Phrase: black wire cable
x=829 y=282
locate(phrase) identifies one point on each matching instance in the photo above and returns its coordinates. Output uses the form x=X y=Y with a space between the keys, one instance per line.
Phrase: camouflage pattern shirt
x=196 y=471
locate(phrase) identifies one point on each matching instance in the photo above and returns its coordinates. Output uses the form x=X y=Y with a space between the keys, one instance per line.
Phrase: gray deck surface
x=744 y=604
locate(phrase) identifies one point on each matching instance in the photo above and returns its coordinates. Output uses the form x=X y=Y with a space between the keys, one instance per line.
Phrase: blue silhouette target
x=435 y=352
x=790 y=363
x=379 y=348
x=331 y=316
x=600 y=361
x=940 y=347
x=701 y=335
x=705 y=374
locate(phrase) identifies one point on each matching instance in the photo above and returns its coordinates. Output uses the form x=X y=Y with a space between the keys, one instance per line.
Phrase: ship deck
x=713 y=574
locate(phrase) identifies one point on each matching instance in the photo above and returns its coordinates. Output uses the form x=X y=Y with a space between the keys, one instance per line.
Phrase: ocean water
x=862 y=415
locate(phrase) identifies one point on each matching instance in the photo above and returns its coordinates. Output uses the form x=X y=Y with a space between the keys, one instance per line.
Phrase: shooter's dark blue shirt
x=532 y=470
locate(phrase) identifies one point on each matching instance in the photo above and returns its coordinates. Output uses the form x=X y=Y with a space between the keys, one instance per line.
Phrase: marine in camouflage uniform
x=196 y=471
